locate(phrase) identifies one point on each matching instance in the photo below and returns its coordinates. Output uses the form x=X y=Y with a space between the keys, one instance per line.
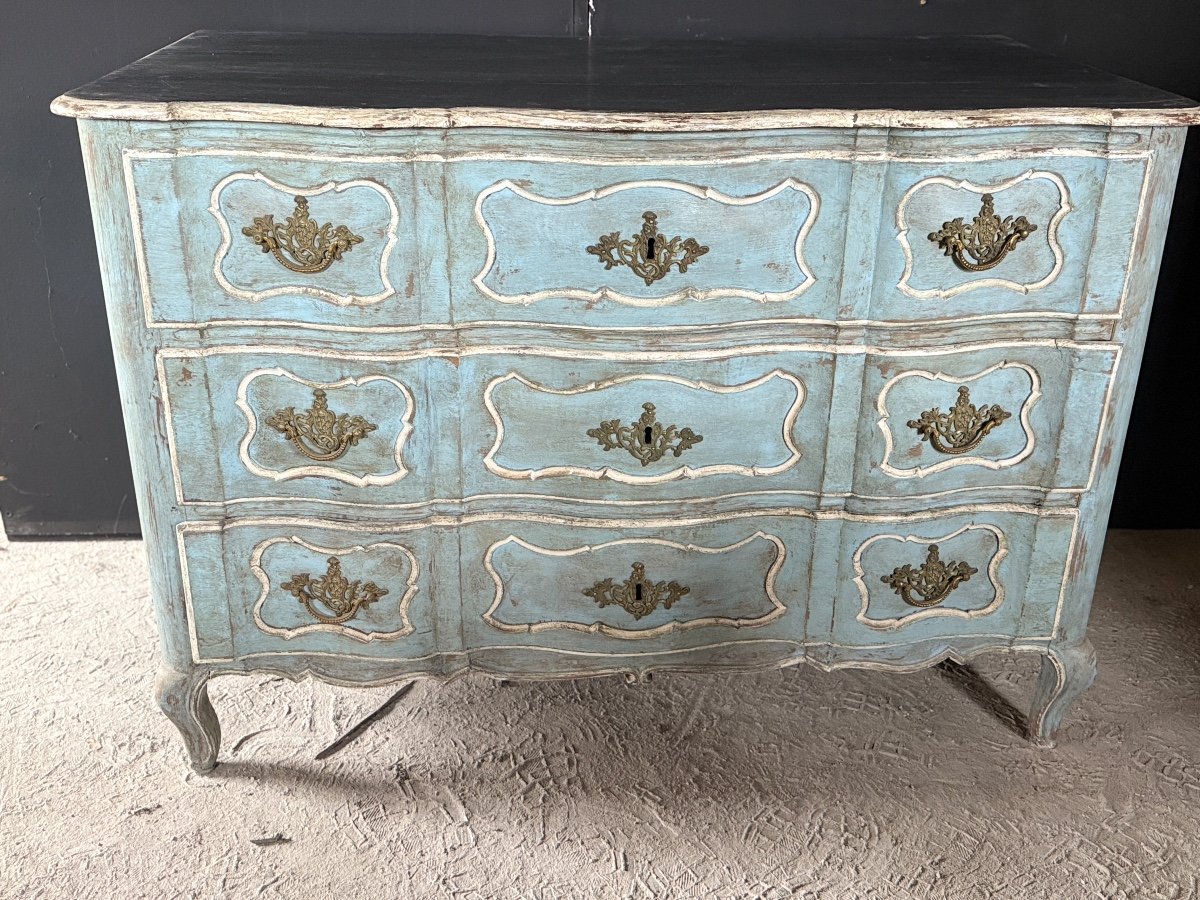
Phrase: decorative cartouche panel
x=996 y=237
x=251 y=238
x=644 y=424
x=308 y=585
x=652 y=245
x=987 y=417
x=310 y=425
x=965 y=572
x=630 y=588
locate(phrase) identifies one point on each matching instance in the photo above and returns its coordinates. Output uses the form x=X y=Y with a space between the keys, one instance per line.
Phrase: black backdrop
x=63 y=466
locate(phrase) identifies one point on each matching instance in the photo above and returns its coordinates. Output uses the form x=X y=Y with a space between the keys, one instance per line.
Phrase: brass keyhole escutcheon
x=649 y=254
x=647 y=440
x=637 y=595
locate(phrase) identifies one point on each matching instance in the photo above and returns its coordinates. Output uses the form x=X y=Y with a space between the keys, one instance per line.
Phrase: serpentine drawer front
x=543 y=358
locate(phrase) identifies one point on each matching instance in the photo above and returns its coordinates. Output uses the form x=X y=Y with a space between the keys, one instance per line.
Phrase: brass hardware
x=932 y=582
x=646 y=440
x=330 y=434
x=311 y=248
x=650 y=254
x=637 y=595
x=960 y=430
x=987 y=240
x=334 y=592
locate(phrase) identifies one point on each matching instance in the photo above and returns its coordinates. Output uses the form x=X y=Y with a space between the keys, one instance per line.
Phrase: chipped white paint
x=1056 y=249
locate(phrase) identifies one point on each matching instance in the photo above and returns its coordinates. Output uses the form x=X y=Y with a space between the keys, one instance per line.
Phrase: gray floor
x=785 y=784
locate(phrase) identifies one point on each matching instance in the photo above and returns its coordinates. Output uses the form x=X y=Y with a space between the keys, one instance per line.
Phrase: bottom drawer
x=991 y=572
x=273 y=586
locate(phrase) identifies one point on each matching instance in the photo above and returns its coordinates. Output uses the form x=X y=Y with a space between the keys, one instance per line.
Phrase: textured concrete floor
x=785 y=784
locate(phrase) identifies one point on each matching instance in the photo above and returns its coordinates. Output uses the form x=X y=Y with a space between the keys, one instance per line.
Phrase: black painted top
x=382 y=71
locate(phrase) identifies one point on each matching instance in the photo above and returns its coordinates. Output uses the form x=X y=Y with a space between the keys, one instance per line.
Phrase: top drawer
x=249 y=238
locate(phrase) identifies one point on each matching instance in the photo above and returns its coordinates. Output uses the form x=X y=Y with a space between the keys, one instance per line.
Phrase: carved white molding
x=376 y=479
x=311 y=290
x=613 y=474
x=951 y=462
x=778 y=607
x=607 y=293
x=935 y=611
x=346 y=628
x=995 y=189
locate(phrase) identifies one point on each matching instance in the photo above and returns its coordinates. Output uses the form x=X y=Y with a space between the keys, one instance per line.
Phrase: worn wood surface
x=466 y=80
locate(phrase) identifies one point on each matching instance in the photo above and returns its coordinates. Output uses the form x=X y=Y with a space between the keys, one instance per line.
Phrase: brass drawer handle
x=637 y=595
x=932 y=582
x=987 y=240
x=334 y=592
x=320 y=434
x=646 y=440
x=960 y=430
x=650 y=254
x=300 y=244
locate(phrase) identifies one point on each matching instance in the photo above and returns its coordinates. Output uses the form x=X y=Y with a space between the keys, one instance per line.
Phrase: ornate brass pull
x=646 y=440
x=320 y=434
x=932 y=582
x=650 y=254
x=987 y=240
x=637 y=595
x=334 y=592
x=960 y=430
x=300 y=244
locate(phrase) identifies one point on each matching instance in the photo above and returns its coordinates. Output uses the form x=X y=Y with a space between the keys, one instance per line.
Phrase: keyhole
x=637 y=592
x=650 y=248
x=648 y=437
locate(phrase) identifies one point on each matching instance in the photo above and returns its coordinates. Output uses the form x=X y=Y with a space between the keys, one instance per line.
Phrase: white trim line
x=338 y=187
x=607 y=293
x=934 y=611
x=304 y=471
x=1027 y=405
x=614 y=474
x=406 y=627
x=597 y=627
x=1000 y=186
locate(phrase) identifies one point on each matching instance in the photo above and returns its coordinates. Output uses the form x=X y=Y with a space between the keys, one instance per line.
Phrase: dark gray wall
x=63 y=467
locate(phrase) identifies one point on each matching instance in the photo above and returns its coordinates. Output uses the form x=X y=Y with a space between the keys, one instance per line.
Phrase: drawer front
x=987 y=572
x=1012 y=416
x=1034 y=235
x=646 y=246
x=306 y=587
x=247 y=237
x=644 y=426
x=305 y=425
x=632 y=588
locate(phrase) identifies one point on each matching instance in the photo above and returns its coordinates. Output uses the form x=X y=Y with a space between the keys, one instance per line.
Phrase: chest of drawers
x=546 y=358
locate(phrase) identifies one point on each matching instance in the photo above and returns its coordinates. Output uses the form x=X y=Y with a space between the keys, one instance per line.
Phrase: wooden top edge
x=571 y=120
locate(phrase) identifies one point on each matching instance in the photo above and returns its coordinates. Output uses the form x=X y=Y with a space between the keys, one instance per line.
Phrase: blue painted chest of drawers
x=537 y=373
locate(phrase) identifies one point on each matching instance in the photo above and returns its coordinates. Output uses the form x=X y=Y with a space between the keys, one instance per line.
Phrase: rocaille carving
x=637 y=595
x=931 y=583
x=320 y=434
x=333 y=598
x=646 y=440
x=300 y=244
x=987 y=240
x=960 y=430
x=650 y=254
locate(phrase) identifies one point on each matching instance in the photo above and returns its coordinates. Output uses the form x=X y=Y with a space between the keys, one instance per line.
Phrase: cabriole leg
x=1067 y=671
x=183 y=696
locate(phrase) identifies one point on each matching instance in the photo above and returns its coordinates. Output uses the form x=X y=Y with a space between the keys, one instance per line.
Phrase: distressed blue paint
x=795 y=533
